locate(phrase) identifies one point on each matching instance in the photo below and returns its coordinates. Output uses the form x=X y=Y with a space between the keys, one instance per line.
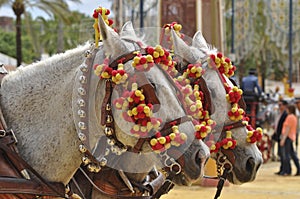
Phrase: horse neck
x=37 y=104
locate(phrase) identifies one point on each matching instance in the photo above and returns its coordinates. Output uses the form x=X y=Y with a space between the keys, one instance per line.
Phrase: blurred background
x=261 y=34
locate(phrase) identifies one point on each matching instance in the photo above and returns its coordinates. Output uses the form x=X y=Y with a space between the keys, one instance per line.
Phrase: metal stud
x=108 y=107
x=103 y=162
x=111 y=142
x=81 y=125
x=113 y=149
x=81 y=137
x=123 y=149
x=86 y=160
x=87 y=53
x=108 y=131
x=81 y=102
x=81 y=113
x=109 y=119
x=82 y=79
x=81 y=91
x=83 y=67
x=118 y=151
x=82 y=148
x=97 y=168
x=106 y=152
x=91 y=167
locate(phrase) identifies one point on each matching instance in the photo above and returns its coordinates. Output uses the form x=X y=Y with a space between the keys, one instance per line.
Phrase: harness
x=16 y=175
x=119 y=186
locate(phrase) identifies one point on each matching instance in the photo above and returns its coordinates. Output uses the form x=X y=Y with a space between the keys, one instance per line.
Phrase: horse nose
x=252 y=165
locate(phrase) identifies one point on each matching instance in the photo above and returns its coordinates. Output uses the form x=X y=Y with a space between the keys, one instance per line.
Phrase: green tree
x=8 y=46
x=58 y=7
x=55 y=36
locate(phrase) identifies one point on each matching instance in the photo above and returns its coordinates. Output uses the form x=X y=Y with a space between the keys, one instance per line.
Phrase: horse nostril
x=250 y=165
x=200 y=158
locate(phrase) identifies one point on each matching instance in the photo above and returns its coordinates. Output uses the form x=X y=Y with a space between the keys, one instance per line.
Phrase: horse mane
x=37 y=104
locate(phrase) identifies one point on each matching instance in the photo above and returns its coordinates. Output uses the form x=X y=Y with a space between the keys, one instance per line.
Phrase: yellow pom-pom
x=134 y=86
x=213 y=147
x=161 y=53
x=193 y=108
x=118 y=76
x=167 y=146
x=172 y=136
x=183 y=136
x=161 y=140
x=203 y=134
x=136 y=128
x=228 y=134
x=136 y=60
x=138 y=93
x=153 y=142
x=250 y=133
x=175 y=129
x=146 y=109
x=129 y=113
x=149 y=58
x=155 y=54
x=143 y=129
x=229 y=143
x=134 y=111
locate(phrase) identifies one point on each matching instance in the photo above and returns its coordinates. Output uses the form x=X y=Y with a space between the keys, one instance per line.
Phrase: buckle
x=2 y=69
x=14 y=136
x=2 y=133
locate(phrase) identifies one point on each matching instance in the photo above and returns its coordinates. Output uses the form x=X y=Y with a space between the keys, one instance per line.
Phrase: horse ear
x=127 y=29
x=112 y=42
x=181 y=49
x=199 y=41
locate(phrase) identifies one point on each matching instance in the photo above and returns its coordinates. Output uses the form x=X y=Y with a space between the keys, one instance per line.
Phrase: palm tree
x=57 y=7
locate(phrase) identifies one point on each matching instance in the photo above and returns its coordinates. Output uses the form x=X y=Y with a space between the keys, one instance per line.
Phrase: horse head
x=135 y=105
x=242 y=156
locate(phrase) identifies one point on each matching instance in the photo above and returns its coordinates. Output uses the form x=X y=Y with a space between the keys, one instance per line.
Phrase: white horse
x=245 y=158
x=41 y=103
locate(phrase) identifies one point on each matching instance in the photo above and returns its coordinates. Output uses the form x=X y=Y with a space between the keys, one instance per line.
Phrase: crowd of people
x=286 y=125
x=286 y=136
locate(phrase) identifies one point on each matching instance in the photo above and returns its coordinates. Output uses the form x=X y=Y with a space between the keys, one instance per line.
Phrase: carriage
x=124 y=107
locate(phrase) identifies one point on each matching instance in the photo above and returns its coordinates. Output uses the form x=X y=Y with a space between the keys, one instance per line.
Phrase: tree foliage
x=8 y=46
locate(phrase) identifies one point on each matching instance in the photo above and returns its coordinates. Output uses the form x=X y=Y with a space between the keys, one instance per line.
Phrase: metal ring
x=2 y=133
x=173 y=166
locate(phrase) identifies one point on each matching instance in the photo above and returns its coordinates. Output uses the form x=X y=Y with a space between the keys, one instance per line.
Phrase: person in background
x=251 y=94
x=275 y=97
x=288 y=136
x=282 y=104
x=250 y=85
x=298 y=127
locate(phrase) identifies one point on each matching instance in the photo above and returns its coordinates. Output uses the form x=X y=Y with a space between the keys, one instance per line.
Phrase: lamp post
x=141 y=13
x=232 y=27
x=290 y=43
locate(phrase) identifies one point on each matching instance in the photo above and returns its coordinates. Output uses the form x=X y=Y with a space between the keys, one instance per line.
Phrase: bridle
x=225 y=157
x=172 y=167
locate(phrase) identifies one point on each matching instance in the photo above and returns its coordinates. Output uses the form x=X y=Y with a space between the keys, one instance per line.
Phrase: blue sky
x=87 y=7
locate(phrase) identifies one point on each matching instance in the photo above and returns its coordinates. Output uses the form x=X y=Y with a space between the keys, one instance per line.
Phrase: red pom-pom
x=220 y=55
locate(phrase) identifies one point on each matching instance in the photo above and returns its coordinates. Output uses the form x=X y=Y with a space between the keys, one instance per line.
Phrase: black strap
x=221 y=183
